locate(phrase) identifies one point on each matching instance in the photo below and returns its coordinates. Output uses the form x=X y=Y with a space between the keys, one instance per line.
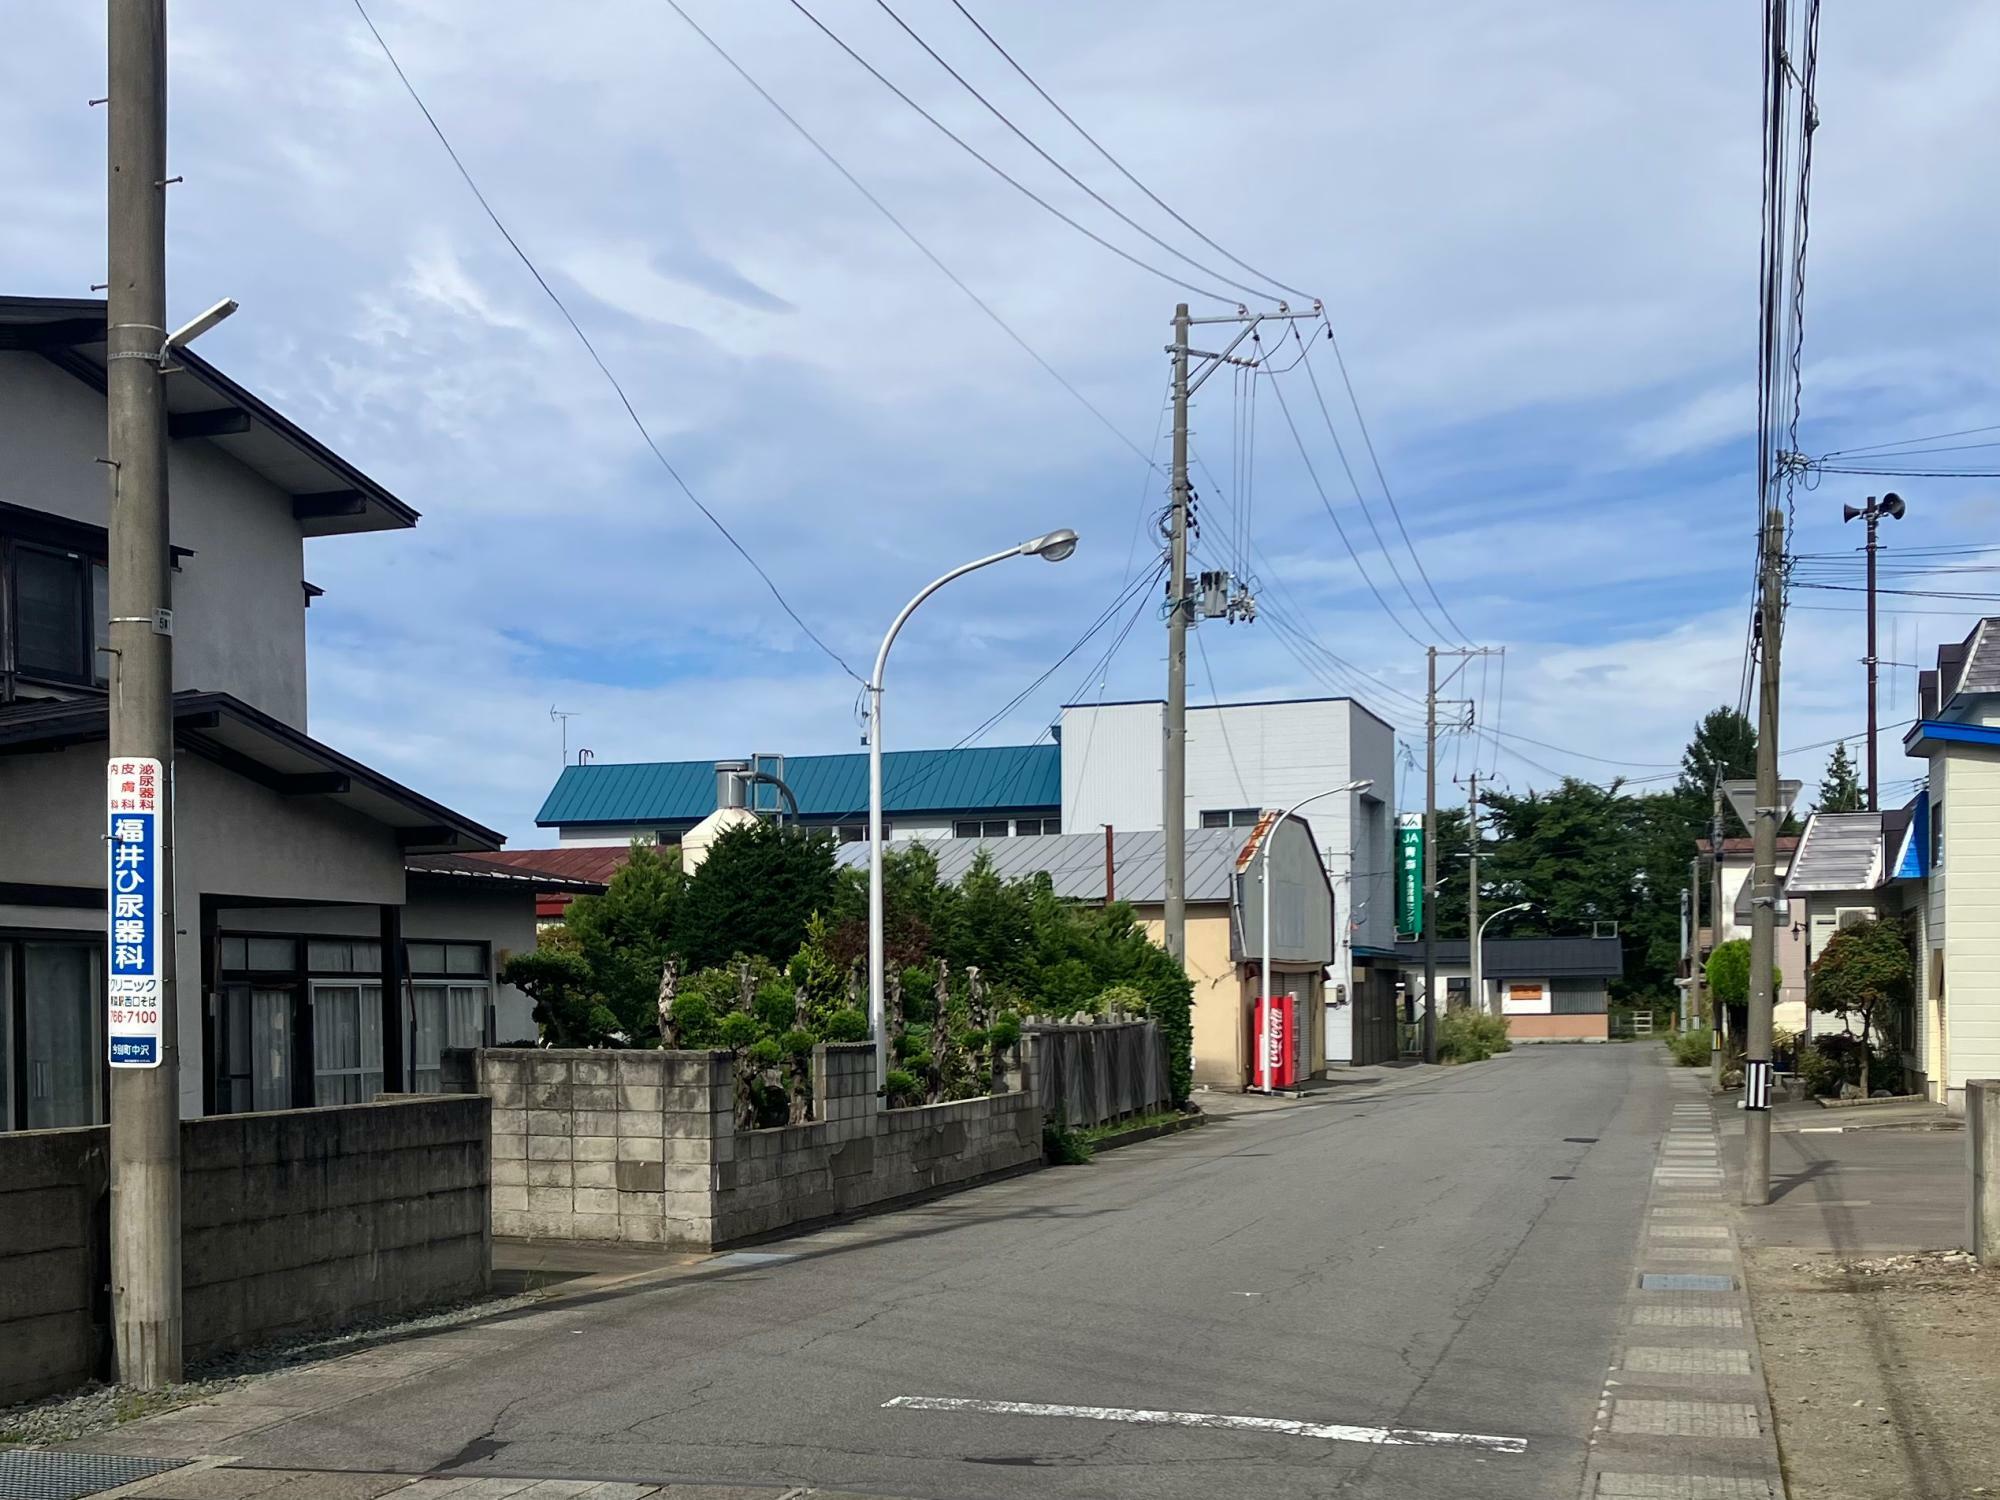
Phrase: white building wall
x=1969 y=877
x=239 y=602
x=1266 y=756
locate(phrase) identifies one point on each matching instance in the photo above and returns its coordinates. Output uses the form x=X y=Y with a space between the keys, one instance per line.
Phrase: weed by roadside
x=1467 y=1035
x=1690 y=1049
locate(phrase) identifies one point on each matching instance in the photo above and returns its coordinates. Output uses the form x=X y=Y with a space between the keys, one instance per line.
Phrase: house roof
x=329 y=495
x=1074 y=862
x=1529 y=958
x=556 y=867
x=982 y=778
x=1837 y=852
x=1786 y=844
x=496 y=865
x=247 y=741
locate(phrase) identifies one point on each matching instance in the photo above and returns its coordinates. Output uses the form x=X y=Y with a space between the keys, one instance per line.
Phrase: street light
x=1054 y=546
x=1264 y=900
x=1478 y=975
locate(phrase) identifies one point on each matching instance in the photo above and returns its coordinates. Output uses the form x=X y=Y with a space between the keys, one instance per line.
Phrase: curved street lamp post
x=1264 y=900
x=1478 y=975
x=1054 y=546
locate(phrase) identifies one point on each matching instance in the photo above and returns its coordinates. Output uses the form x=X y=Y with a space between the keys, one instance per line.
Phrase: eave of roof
x=1926 y=734
x=230 y=733
x=330 y=495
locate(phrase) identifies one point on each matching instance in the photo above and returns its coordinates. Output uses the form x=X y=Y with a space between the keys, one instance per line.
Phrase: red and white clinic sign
x=1273 y=1065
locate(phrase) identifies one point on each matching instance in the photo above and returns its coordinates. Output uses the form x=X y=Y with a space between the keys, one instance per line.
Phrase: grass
x=1097 y=1133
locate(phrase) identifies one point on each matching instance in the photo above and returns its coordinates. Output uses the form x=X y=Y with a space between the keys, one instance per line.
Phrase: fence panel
x=1099 y=1073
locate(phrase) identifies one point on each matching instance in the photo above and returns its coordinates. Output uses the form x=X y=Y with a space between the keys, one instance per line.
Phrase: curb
x=1148 y=1133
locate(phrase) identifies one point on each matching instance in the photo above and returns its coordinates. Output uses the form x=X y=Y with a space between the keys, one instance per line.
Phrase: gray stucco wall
x=291 y=1221
x=239 y=612
x=235 y=838
x=642 y=1146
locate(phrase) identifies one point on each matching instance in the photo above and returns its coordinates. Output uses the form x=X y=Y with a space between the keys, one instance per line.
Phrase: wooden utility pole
x=145 y=1095
x=1477 y=991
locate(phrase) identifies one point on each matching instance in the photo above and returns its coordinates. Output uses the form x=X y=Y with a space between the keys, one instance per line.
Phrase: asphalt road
x=1447 y=1257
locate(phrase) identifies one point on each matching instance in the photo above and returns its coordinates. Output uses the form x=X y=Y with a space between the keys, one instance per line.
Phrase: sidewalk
x=1875 y=1331
x=1341 y=1086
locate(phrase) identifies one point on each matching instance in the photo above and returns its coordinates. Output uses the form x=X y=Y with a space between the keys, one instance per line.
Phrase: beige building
x=1224 y=927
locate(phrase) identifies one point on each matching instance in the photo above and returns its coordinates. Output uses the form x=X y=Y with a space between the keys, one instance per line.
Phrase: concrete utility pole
x=1430 y=856
x=1173 y=776
x=1716 y=909
x=1764 y=891
x=1697 y=977
x=1892 y=506
x=145 y=1101
x=1477 y=994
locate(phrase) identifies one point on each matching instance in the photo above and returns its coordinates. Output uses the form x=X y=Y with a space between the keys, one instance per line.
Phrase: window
x=260 y=955
x=1230 y=817
x=1937 y=833
x=53 y=635
x=347 y=1043
x=342 y=956
x=254 y=1047
x=1028 y=827
x=445 y=1015
x=448 y=958
x=51 y=1037
x=857 y=833
x=979 y=828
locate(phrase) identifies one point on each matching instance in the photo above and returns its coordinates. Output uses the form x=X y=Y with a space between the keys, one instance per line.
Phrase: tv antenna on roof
x=559 y=716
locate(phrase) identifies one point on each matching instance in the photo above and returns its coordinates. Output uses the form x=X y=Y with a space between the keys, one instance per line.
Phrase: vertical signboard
x=1410 y=874
x=133 y=809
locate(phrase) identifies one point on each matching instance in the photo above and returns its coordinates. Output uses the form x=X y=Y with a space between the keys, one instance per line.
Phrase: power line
x=1368 y=441
x=998 y=171
x=1367 y=513
x=1934 y=437
x=1036 y=147
x=596 y=358
x=909 y=234
x=1221 y=719
x=1102 y=151
x=1278 y=390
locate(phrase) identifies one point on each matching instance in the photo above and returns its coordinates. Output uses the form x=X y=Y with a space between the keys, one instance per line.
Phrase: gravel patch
x=96 y=1407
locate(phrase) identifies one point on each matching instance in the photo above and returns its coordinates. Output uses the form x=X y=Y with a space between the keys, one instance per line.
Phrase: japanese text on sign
x=134 y=1032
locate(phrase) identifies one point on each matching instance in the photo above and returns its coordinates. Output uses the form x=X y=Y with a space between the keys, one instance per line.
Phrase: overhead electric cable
x=907 y=233
x=577 y=328
x=1001 y=172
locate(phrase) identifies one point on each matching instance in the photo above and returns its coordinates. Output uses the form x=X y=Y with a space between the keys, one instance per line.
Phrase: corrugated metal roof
x=982 y=778
x=1838 y=852
x=1074 y=862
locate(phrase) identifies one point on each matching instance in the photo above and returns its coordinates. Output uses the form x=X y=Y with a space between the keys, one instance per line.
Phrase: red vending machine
x=1271 y=1056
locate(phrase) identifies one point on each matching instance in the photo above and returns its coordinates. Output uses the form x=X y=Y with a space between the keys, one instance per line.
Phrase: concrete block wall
x=54 y=1298
x=291 y=1220
x=643 y=1147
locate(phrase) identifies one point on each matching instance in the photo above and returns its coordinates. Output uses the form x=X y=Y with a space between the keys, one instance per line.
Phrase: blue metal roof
x=827 y=786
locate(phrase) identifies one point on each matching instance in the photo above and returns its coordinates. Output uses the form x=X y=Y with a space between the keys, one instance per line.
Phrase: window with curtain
x=61 y=1005
x=257 y=1046
x=445 y=1015
x=347 y=1043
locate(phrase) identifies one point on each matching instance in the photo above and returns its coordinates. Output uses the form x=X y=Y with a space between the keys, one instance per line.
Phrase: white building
x=1244 y=759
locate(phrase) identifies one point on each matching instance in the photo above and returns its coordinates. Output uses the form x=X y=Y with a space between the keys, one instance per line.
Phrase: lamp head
x=188 y=332
x=1054 y=546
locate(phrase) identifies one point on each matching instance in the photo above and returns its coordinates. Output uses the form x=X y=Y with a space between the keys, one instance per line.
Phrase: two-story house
x=334 y=928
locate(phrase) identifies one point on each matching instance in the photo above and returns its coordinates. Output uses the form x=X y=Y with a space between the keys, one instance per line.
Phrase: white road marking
x=1397 y=1437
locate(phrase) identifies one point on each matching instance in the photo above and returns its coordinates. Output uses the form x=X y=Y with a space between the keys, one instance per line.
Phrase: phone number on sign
x=122 y=1016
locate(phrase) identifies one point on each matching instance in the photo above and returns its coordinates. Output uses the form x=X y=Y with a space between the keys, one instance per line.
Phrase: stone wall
x=643 y=1147
x=291 y=1220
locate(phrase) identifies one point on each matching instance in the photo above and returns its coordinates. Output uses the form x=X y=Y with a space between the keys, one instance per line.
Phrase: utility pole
x=1478 y=989
x=145 y=1098
x=1173 y=777
x=1892 y=506
x=1181 y=598
x=1715 y=911
x=1430 y=856
x=1764 y=892
x=1697 y=977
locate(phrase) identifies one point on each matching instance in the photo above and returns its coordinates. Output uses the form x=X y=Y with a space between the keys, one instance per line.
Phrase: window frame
x=14 y=1092
x=84 y=563
x=1231 y=817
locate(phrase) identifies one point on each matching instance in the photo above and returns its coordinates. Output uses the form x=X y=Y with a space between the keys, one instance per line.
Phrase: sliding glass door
x=61 y=1013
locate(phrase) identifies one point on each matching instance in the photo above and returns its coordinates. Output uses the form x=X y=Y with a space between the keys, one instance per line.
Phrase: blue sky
x=1534 y=226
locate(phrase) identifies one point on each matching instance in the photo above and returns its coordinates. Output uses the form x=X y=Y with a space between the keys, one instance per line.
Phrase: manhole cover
x=1655 y=1281
x=33 y=1474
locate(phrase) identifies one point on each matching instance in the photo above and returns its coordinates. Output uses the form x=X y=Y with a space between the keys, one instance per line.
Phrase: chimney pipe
x=730 y=782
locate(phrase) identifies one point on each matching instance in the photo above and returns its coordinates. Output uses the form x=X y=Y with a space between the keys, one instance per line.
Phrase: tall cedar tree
x=754 y=893
x=1840 y=789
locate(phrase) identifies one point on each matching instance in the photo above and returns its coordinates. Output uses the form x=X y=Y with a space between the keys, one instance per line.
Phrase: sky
x=1533 y=225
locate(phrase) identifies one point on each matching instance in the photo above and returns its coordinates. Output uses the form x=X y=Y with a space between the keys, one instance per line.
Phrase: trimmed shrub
x=1467 y=1035
x=1691 y=1049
